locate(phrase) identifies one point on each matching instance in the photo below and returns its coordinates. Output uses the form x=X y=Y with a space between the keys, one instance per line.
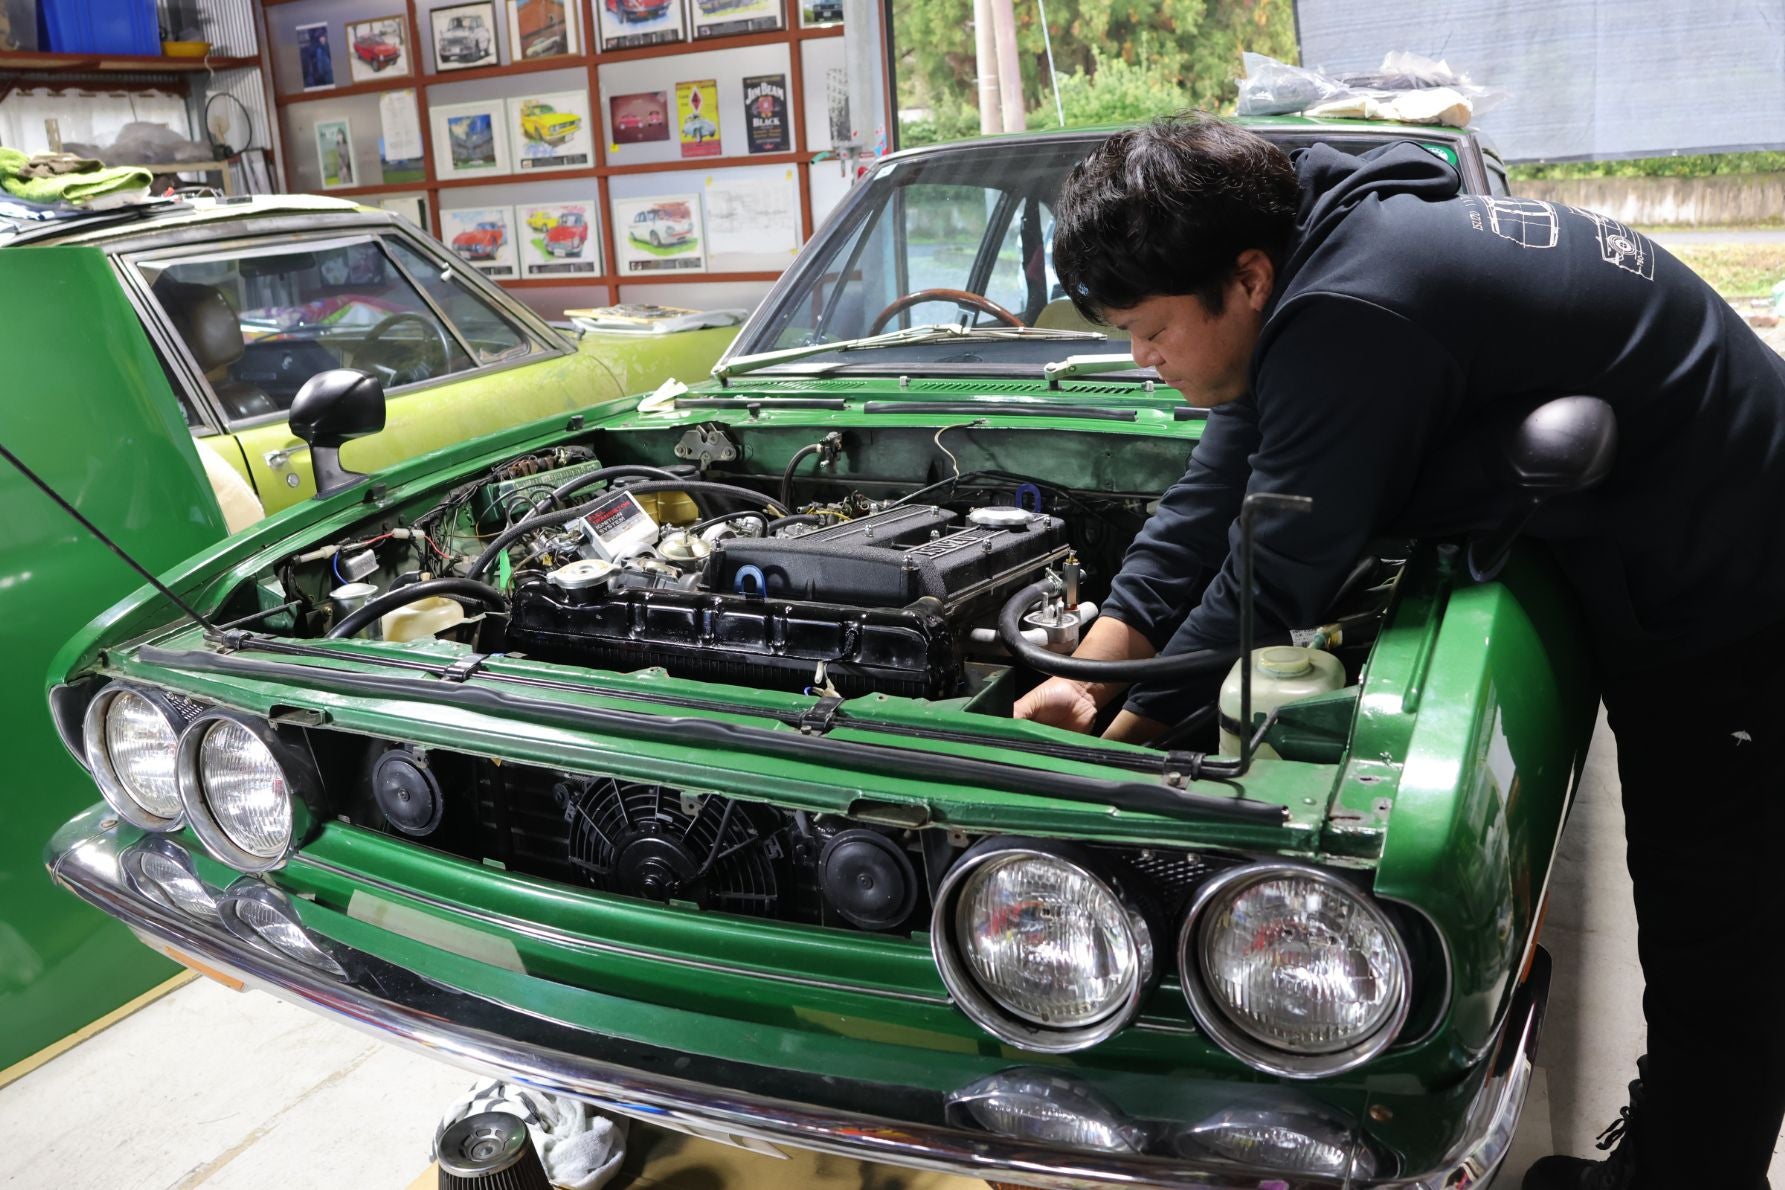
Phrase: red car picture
x=629 y=122
x=637 y=10
x=375 y=51
x=481 y=242
x=568 y=235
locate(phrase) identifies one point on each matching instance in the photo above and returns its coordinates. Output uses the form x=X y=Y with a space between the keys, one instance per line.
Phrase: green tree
x=1163 y=55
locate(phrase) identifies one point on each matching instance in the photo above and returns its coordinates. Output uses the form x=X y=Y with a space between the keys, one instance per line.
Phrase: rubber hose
x=787 y=475
x=1010 y=632
x=462 y=589
x=618 y=471
x=495 y=548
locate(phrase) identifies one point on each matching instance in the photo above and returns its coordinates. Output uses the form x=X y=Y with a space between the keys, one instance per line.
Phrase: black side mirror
x=333 y=408
x=1563 y=446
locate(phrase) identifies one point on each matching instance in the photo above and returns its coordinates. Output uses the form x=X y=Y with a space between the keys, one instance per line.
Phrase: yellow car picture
x=542 y=220
x=545 y=124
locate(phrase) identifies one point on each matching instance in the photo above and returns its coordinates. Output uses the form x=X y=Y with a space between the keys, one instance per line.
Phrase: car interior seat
x=208 y=325
x=1061 y=315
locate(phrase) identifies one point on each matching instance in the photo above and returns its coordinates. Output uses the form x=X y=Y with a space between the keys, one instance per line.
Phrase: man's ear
x=1256 y=275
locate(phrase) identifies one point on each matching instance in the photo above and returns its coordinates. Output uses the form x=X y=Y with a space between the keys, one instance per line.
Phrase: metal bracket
x=822 y=716
x=464 y=667
x=707 y=444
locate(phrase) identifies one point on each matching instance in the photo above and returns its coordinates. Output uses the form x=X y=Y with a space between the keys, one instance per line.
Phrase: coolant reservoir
x=422 y=619
x=1280 y=674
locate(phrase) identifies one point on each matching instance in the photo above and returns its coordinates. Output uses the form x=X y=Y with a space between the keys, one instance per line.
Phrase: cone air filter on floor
x=489 y=1151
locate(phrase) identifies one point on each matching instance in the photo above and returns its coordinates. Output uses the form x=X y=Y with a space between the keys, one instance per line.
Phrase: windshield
x=961 y=236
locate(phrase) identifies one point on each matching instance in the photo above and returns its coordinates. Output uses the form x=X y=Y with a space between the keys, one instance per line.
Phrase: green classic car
x=664 y=757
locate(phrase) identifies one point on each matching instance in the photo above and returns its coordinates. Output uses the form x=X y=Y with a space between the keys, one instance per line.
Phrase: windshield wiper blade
x=929 y=333
x=1084 y=365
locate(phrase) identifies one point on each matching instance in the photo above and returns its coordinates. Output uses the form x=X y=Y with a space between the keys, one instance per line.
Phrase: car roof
x=135 y=220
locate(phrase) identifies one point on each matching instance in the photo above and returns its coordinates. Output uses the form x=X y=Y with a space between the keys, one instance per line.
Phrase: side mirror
x=332 y=409
x=1563 y=446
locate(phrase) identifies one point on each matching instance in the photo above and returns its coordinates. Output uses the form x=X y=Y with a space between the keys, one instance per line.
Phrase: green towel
x=44 y=180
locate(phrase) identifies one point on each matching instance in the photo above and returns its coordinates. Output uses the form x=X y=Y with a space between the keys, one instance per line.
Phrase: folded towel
x=61 y=177
x=580 y=1148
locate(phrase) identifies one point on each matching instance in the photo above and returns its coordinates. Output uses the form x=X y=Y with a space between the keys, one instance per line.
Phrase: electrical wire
x=953 y=462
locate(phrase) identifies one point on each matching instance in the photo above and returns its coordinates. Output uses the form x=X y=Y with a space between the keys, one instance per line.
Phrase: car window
x=492 y=336
x=1496 y=180
x=259 y=324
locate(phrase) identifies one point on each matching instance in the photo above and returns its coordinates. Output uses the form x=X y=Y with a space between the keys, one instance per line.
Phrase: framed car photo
x=541 y=29
x=558 y=239
x=470 y=139
x=551 y=132
x=378 y=49
x=641 y=116
x=659 y=235
x=464 y=36
x=482 y=237
x=627 y=23
x=726 y=18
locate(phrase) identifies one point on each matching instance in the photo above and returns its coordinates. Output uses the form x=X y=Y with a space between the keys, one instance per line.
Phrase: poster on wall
x=752 y=215
x=551 y=131
x=541 y=29
x=334 y=153
x=400 y=148
x=836 y=104
x=724 y=18
x=413 y=207
x=464 y=36
x=817 y=14
x=482 y=237
x=642 y=116
x=659 y=235
x=470 y=139
x=314 y=62
x=377 y=49
x=558 y=239
x=625 y=23
x=697 y=118
x=765 y=113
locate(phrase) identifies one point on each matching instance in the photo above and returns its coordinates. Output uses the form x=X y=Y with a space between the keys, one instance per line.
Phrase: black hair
x=1166 y=209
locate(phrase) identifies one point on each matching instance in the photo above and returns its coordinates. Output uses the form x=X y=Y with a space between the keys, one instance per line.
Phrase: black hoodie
x=1406 y=319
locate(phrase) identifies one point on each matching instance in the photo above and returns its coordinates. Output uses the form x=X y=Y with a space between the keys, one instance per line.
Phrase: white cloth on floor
x=580 y=1148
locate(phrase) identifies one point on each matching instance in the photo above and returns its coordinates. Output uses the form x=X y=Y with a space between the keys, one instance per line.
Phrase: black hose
x=531 y=524
x=1010 y=631
x=801 y=518
x=462 y=589
x=618 y=471
x=787 y=475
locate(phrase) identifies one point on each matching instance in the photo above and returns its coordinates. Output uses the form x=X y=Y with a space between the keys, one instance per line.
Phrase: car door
x=254 y=320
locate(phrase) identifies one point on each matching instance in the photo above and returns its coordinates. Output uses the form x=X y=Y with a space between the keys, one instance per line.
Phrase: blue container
x=101 y=27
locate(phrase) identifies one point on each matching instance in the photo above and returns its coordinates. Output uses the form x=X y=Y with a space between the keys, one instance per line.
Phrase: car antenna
x=115 y=548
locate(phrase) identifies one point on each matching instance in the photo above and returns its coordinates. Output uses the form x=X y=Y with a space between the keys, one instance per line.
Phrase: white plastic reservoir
x=1280 y=674
x=423 y=618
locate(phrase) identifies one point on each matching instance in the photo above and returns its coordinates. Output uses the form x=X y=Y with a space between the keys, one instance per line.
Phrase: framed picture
x=334 y=153
x=816 y=14
x=641 y=116
x=413 y=207
x=541 y=28
x=559 y=239
x=659 y=235
x=470 y=139
x=464 y=36
x=765 y=113
x=399 y=142
x=551 y=131
x=317 y=67
x=724 y=18
x=482 y=237
x=625 y=23
x=697 y=118
x=378 y=49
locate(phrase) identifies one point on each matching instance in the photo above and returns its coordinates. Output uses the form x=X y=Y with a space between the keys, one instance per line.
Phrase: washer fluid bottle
x=1280 y=674
x=422 y=619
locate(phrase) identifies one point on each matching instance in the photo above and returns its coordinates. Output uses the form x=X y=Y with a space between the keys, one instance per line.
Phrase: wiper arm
x=1084 y=365
x=934 y=332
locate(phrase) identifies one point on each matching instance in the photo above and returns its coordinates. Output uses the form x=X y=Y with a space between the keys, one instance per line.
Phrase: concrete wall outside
x=1716 y=200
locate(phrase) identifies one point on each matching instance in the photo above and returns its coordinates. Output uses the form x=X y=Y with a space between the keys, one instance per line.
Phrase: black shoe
x=1616 y=1172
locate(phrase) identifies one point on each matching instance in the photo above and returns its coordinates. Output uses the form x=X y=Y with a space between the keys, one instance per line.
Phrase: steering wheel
x=439 y=341
x=959 y=297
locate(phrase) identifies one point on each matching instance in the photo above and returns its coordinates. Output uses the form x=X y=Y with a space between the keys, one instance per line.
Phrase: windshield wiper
x=936 y=332
x=1085 y=365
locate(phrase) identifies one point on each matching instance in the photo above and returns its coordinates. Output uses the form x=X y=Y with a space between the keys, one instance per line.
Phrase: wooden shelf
x=609 y=171
x=628 y=279
x=401 y=82
x=508 y=69
x=45 y=63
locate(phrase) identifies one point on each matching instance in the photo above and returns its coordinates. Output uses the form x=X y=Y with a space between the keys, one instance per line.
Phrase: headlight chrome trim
x=303 y=790
x=1220 y=1029
x=97 y=755
x=986 y=1012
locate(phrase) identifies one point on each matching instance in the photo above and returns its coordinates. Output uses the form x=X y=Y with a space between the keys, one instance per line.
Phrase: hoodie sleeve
x=1349 y=397
x=1182 y=544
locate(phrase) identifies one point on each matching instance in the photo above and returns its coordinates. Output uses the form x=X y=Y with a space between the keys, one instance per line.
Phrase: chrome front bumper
x=831 y=1114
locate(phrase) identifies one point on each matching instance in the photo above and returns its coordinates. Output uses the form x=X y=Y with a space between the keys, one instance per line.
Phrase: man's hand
x=1060 y=702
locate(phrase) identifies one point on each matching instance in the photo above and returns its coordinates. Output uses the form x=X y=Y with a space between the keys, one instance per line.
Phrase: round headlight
x=1039 y=947
x=236 y=784
x=1292 y=970
x=131 y=738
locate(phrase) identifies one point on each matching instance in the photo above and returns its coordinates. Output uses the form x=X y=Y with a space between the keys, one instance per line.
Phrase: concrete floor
x=214 y=1089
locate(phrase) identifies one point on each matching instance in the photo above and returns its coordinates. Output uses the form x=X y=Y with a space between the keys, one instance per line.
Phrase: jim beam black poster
x=765 y=113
